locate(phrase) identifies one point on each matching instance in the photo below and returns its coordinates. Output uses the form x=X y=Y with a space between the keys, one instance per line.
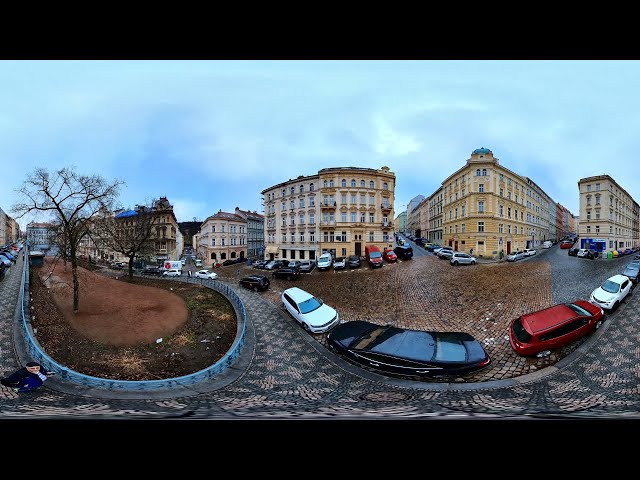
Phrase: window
x=344 y=217
x=372 y=199
x=222 y=228
x=353 y=183
x=502 y=177
x=312 y=218
x=588 y=229
x=481 y=206
x=312 y=237
x=213 y=242
x=597 y=187
x=371 y=218
x=222 y=241
x=481 y=187
x=353 y=217
x=480 y=226
x=363 y=199
x=293 y=190
x=502 y=192
x=509 y=229
x=343 y=183
x=477 y=172
x=325 y=184
x=484 y=172
x=311 y=187
x=464 y=210
x=343 y=199
x=371 y=236
x=464 y=229
x=353 y=199
x=362 y=184
x=302 y=203
x=284 y=192
x=588 y=188
x=500 y=228
x=385 y=186
x=597 y=228
x=371 y=184
x=301 y=188
x=331 y=185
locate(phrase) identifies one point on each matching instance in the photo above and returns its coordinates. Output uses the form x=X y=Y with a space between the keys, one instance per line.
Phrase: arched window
x=311 y=187
x=213 y=256
x=477 y=172
x=326 y=184
x=344 y=182
x=371 y=184
x=484 y=172
x=331 y=183
x=362 y=184
x=353 y=182
x=233 y=254
x=385 y=186
x=223 y=256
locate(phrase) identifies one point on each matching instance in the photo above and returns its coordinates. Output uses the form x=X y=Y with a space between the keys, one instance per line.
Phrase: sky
x=211 y=135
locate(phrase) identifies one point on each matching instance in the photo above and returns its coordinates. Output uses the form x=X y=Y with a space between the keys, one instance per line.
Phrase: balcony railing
x=328 y=204
x=328 y=223
x=385 y=207
x=384 y=224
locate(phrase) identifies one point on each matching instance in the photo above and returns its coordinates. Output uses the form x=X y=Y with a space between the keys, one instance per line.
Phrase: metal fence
x=35 y=350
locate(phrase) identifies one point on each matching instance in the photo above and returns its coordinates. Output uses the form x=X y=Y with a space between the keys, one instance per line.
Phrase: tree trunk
x=131 y=267
x=76 y=284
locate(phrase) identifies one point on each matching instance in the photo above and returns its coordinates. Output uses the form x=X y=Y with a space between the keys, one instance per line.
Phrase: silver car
x=461 y=258
x=519 y=255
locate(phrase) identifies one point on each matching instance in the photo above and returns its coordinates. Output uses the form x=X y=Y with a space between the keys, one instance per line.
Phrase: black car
x=573 y=251
x=631 y=272
x=288 y=273
x=353 y=261
x=230 y=261
x=403 y=252
x=401 y=351
x=255 y=282
x=151 y=270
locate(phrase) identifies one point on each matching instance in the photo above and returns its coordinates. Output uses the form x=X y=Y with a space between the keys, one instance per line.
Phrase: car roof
x=546 y=318
x=297 y=294
x=619 y=278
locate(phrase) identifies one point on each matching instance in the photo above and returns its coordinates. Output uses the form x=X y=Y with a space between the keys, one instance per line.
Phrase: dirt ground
x=144 y=329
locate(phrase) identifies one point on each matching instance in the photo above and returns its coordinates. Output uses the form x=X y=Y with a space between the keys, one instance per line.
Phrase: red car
x=389 y=255
x=566 y=244
x=536 y=333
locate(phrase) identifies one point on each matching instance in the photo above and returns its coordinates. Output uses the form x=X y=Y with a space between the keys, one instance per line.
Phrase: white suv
x=612 y=292
x=324 y=261
x=173 y=272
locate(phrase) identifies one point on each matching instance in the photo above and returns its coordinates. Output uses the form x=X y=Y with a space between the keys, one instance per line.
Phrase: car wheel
x=306 y=327
x=598 y=324
x=544 y=353
x=615 y=306
x=473 y=262
x=455 y=263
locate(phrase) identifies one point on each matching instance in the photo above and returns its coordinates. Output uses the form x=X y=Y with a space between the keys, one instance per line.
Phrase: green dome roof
x=481 y=150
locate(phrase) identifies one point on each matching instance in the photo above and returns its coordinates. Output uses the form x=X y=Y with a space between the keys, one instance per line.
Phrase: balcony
x=385 y=224
x=328 y=205
x=328 y=223
x=311 y=226
x=293 y=227
x=385 y=207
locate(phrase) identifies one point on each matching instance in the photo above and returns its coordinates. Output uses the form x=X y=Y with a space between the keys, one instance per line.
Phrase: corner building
x=490 y=209
x=340 y=210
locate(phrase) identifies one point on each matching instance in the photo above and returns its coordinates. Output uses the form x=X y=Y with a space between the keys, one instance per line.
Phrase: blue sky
x=212 y=135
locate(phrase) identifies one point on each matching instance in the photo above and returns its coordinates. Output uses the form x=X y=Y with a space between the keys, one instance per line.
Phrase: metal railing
x=37 y=353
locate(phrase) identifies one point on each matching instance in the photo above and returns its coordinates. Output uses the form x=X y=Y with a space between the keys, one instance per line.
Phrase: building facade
x=608 y=217
x=400 y=223
x=435 y=216
x=222 y=236
x=413 y=220
x=491 y=210
x=39 y=235
x=340 y=210
x=255 y=232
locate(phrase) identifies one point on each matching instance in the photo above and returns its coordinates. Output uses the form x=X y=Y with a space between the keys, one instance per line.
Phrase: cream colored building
x=421 y=213
x=222 y=236
x=490 y=209
x=340 y=210
x=400 y=223
x=608 y=217
x=434 y=231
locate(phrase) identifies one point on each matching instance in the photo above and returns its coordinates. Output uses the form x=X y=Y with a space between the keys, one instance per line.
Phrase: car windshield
x=412 y=345
x=310 y=305
x=578 y=309
x=375 y=255
x=611 y=287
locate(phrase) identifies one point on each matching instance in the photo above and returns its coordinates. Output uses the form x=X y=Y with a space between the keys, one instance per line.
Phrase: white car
x=324 y=261
x=583 y=252
x=612 y=292
x=529 y=251
x=314 y=315
x=172 y=272
x=206 y=274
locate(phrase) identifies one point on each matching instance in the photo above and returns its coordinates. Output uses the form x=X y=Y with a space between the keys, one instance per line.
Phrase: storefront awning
x=272 y=249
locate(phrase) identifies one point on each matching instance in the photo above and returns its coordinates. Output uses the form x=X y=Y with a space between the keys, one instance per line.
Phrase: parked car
x=403 y=252
x=274 y=265
x=389 y=255
x=294 y=264
x=566 y=244
x=547 y=244
x=373 y=255
x=6 y=261
x=515 y=256
x=631 y=271
x=3 y=270
x=259 y=264
x=461 y=258
x=208 y=274
x=353 y=261
x=573 y=252
x=286 y=273
x=307 y=266
x=401 y=351
x=255 y=282
x=229 y=261
x=324 y=261
x=312 y=313
x=537 y=333
x=432 y=247
x=340 y=263
x=151 y=270
x=172 y=272
x=529 y=252
x=445 y=253
x=612 y=292
x=628 y=251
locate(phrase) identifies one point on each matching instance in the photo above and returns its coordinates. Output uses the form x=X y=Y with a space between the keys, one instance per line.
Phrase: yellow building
x=222 y=236
x=434 y=231
x=491 y=210
x=340 y=210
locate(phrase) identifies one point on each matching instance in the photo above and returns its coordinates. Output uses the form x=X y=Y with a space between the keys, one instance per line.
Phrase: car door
x=625 y=288
x=292 y=308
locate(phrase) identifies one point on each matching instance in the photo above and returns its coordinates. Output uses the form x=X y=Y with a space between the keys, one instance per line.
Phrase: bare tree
x=74 y=199
x=128 y=233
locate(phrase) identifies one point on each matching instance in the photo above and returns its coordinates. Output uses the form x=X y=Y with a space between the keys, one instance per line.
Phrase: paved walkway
x=285 y=373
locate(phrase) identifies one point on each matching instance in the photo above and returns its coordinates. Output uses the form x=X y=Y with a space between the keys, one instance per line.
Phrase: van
x=547 y=244
x=172 y=265
x=373 y=255
x=324 y=261
x=198 y=263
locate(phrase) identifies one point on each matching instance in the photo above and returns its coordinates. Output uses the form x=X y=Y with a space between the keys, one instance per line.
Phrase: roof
x=548 y=317
x=297 y=294
x=481 y=151
x=126 y=213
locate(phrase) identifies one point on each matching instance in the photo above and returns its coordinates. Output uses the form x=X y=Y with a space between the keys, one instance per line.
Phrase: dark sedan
x=403 y=252
x=414 y=353
x=288 y=273
x=573 y=252
x=354 y=261
x=631 y=272
x=255 y=282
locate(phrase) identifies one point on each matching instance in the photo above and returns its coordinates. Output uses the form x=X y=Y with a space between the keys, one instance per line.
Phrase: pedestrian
x=471 y=252
x=27 y=378
x=189 y=272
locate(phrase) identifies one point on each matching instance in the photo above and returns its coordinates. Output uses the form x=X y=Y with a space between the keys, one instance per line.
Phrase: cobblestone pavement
x=286 y=373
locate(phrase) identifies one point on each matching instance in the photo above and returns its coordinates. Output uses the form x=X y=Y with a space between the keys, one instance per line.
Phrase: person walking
x=27 y=378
